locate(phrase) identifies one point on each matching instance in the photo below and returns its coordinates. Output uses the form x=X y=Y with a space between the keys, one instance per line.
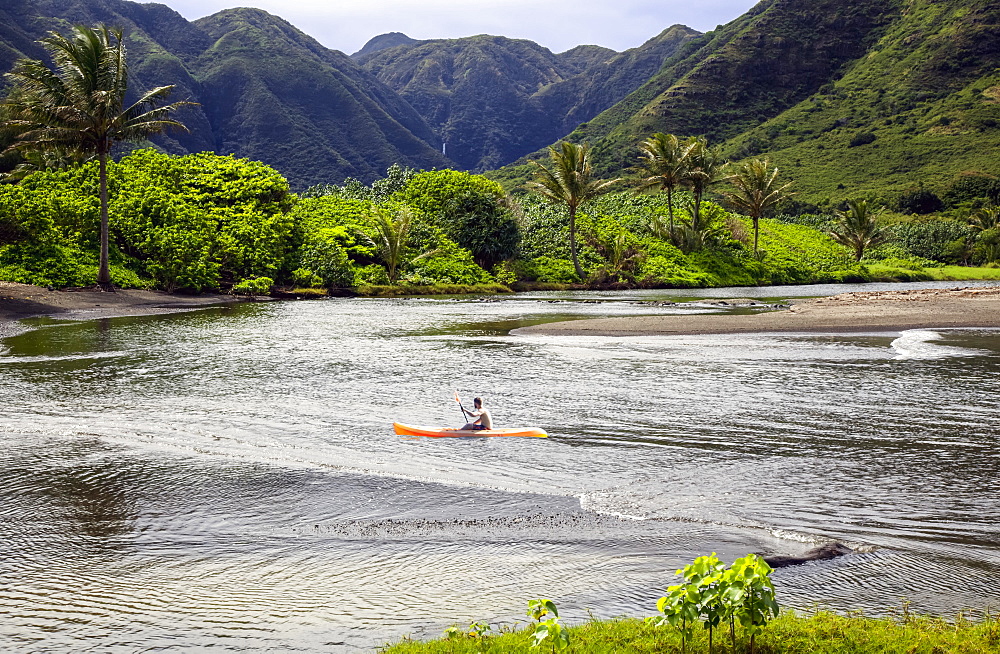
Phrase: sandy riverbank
x=848 y=312
x=19 y=301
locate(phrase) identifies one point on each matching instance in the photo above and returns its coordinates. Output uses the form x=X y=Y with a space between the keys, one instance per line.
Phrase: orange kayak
x=450 y=432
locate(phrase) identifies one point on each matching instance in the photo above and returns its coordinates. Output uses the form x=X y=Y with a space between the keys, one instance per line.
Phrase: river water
x=229 y=478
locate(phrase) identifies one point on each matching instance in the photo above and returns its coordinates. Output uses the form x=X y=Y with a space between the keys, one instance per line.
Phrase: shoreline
x=20 y=301
x=863 y=311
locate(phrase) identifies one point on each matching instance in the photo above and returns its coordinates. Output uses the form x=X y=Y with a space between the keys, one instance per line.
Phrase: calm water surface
x=229 y=478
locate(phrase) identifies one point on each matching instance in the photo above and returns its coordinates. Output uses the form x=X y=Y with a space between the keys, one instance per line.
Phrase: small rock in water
x=821 y=553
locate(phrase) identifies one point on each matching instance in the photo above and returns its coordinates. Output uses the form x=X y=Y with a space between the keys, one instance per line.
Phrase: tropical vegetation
x=78 y=107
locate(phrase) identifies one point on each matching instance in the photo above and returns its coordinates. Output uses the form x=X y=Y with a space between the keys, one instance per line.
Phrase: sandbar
x=18 y=301
x=866 y=311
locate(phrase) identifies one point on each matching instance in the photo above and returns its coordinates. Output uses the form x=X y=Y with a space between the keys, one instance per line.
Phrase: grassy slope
x=823 y=632
x=929 y=92
x=748 y=71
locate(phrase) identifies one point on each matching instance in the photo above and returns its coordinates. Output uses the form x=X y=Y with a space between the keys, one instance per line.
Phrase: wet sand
x=847 y=312
x=19 y=301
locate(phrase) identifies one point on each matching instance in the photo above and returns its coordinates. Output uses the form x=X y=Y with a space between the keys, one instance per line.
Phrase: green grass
x=891 y=273
x=822 y=632
x=961 y=273
x=431 y=289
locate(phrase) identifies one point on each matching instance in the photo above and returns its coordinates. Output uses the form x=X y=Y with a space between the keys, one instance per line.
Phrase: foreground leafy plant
x=552 y=629
x=712 y=593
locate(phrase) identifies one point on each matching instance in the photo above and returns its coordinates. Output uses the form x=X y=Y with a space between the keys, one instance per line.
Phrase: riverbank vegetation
x=789 y=633
x=725 y=609
x=209 y=222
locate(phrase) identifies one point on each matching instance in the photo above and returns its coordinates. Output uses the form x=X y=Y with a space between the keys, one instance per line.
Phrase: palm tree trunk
x=572 y=242
x=670 y=210
x=756 y=232
x=104 y=271
x=696 y=218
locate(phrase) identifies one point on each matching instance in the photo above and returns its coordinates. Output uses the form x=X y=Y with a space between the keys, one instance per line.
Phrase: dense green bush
x=550 y=269
x=254 y=286
x=929 y=239
x=447 y=263
x=431 y=190
x=192 y=222
x=479 y=223
x=973 y=191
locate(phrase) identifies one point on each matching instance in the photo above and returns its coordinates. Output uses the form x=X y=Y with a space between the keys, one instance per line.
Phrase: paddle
x=461 y=407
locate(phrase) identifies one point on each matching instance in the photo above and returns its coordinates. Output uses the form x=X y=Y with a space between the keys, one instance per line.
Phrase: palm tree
x=756 y=192
x=985 y=218
x=79 y=106
x=858 y=228
x=705 y=167
x=392 y=228
x=570 y=182
x=663 y=165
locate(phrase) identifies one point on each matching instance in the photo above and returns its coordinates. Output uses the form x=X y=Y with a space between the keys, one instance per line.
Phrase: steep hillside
x=266 y=90
x=874 y=96
x=602 y=84
x=494 y=99
x=750 y=70
x=272 y=93
x=922 y=107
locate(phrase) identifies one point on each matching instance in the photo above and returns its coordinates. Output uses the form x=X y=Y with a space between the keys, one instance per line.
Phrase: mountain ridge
x=265 y=89
x=493 y=99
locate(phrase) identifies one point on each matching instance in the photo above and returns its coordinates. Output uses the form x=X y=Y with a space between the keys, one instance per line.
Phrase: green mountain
x=921 y=107
x=492 y=99
x=383 y=41
x=868 y=96
x=267 y=90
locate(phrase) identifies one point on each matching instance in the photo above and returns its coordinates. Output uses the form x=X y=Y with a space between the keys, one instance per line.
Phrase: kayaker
x=481 y=415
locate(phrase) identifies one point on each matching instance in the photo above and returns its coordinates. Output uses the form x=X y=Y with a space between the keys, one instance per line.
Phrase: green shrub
x=305 y=278
x=661 y=271
x=323 y=255
x=548 y=269
x=928 y=239
x=431 y=190
x=254 y=286
x=448 y=264
x=861 y=138
x=371 y=275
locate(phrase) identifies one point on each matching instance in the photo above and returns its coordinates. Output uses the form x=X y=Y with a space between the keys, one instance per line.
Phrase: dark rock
x=821 y=553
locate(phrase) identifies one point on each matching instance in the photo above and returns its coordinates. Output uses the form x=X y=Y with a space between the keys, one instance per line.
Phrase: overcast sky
x=557 y=24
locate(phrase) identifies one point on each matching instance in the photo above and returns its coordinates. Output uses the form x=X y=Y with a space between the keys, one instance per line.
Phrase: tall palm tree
x=858 y=227
x=570 y=181
x=756 y=192
x=79 y=105
x=663 y=165
x=705 y=167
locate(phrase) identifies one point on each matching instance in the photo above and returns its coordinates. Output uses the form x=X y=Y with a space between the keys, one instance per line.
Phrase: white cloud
x=557 y=24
